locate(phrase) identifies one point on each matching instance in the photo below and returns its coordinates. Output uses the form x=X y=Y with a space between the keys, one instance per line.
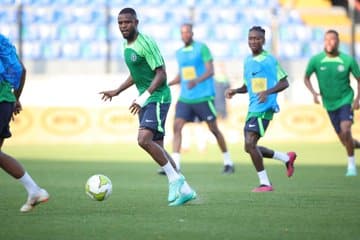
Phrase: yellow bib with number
x=258 y=84
x=188 y=73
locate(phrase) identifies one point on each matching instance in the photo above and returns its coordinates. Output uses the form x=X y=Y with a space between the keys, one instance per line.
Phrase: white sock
x=227 y=159
x=281 y=156
x=170 y=172
x=351 y=162
x=263 y=177
x=29 y=184
x=176 y=157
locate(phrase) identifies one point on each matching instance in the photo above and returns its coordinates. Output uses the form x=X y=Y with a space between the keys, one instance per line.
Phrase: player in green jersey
x=332 y=69
x=147 y=73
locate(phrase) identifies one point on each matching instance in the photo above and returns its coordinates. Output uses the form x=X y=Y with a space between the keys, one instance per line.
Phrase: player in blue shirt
x=12 y=79
x=263 y=79
x=197 y=91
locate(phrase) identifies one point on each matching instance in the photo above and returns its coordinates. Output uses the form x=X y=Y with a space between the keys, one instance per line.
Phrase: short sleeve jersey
x=10 y=70
x=262 y=72
x=142 y=58
x=333 y=75
x=192 y=64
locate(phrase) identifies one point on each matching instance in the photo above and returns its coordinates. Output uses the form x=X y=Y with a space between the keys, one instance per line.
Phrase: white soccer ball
x=98 y=187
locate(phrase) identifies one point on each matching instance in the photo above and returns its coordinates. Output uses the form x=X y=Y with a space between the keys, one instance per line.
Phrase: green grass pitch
x=318 y=202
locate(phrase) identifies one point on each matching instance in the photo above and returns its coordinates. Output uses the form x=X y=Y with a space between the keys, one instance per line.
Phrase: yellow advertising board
x=55 y=125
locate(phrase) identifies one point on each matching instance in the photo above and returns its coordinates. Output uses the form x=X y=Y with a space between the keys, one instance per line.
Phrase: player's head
x=186 y=33
x=331 y=42
x=256 y=39
x=128 y=22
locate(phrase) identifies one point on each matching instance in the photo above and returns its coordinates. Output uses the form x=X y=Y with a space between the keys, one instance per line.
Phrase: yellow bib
x=188 y=73
x=258 y=84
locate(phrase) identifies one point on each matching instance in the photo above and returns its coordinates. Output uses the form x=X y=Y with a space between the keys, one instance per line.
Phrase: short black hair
x=128 y=11
x=258 y=29
x=333 y=32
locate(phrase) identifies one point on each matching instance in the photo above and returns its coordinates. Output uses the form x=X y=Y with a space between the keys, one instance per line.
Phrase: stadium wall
x=68 y=109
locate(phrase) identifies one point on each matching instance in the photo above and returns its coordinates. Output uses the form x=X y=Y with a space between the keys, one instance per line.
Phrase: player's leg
x=183 y=114
x=253 y=130
x=345 y=136
x=228 y=163
x=342 y=120
x=287 y=158
x=150 y=138
x=205 y=111
x=10 y=165
x=178 y=126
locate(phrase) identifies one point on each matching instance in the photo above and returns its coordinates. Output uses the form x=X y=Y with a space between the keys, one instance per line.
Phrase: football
x=98 y=187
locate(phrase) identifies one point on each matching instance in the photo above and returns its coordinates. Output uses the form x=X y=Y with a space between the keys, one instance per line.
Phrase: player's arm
x=159 y=79
x=310 y=87
x=280 y=86
x=354 y=67
x=108 y=95
x=356 y=103
x=209 y=72
x=175 y=81
x=229 y=93
x=18 y=91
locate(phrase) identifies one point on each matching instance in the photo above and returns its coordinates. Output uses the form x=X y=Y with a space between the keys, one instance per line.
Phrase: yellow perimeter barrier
x=56 y=125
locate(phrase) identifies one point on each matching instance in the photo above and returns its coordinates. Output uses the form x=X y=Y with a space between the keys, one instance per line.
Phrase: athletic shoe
x=228 y=169
x=290 y=164
x=174 y=188
x=183 y=198
x=351 y=172
x=263 y=188
x=40 y=197
x=161 y=171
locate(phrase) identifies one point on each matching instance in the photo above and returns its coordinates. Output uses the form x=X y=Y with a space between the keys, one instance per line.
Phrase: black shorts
x=6 y=111
x=203 y=111
x=258 y=125
x=344 y=113
x=153 y=117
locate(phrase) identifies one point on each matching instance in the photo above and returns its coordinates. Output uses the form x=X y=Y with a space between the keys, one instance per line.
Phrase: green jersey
x=142 y=58
x=6 y=93
x=333 y=75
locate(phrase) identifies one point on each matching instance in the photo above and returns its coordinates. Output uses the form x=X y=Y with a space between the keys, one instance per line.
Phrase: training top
x=192 y=61
x=10 y=70
x=262 y=72
x=142 y=58
x=333 y=75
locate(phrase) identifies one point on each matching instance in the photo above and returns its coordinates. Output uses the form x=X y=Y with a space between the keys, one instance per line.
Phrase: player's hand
x=134 y=108
x=108 y=95
x=262 y=96
x=229 y=93
x=356 y=105
x=316 y=98
x=17 y=108
x=191 y=84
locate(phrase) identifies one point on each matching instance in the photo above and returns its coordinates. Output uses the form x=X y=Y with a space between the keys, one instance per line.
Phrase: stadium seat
x=51 y=50
x=71 y=50
x=10 y=31
x=32 y=50
x=8 y=15
x=8 y=2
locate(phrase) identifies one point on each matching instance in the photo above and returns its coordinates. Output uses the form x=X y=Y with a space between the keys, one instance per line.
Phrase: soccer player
x=332 y=69
x=147 y=72
x=12 y=79
x=197 y=91
x=263 y=79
